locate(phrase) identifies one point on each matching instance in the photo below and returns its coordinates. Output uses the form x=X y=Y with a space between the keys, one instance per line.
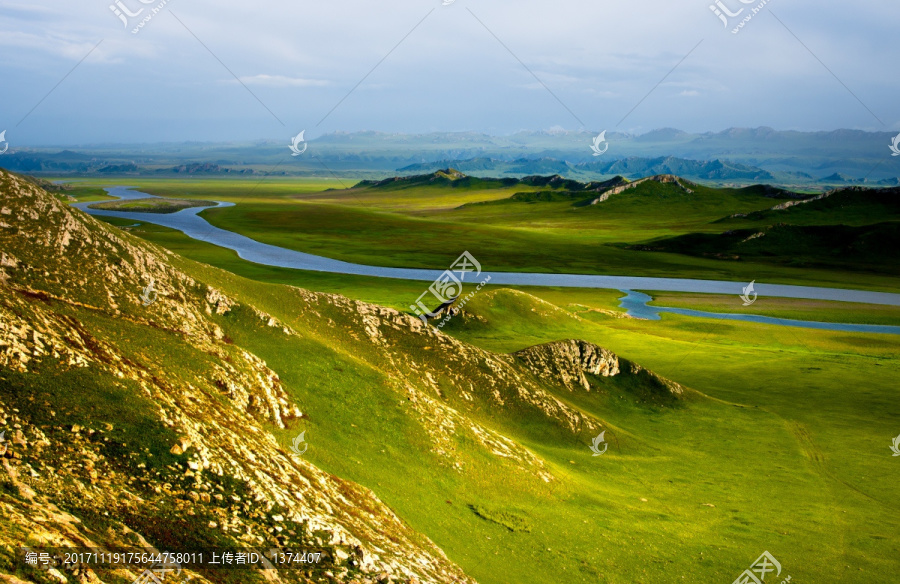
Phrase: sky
x=75 y=73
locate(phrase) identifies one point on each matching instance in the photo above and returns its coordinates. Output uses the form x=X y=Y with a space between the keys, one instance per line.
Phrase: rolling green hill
x=846 y=206
x=868 y=248
x=852 y=229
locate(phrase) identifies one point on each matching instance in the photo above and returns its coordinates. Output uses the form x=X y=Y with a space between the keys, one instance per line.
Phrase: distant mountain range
x=632 y=166
x=735 y=155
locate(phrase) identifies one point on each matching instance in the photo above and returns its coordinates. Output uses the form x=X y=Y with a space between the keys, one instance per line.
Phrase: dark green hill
x=870 y=248
x=772 y=192
x=452 y=178
x=449 y=177
x=850 y=206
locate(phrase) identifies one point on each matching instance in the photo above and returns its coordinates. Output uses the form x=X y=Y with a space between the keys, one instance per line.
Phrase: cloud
x=264 y=80
x=67 y=49
x=419 y=68
x=31 y=12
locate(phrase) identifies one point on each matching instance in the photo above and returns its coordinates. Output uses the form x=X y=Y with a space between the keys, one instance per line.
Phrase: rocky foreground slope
x=166 y=444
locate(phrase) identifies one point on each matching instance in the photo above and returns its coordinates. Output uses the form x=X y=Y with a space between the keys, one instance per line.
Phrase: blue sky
x=203 y=70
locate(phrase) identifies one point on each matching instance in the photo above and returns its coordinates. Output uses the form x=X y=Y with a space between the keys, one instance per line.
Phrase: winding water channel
x=188 y=222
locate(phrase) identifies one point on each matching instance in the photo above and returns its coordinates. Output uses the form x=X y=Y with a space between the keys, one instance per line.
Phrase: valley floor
x=783 y=454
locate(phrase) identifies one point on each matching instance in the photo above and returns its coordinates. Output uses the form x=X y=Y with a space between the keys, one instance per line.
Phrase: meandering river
x=636 y=305
x=188 y=222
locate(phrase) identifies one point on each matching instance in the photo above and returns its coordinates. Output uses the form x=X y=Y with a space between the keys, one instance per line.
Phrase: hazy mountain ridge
x=633 y=167
x=833 y=157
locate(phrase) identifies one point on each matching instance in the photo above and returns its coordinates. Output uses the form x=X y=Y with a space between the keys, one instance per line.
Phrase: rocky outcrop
x=569 y=362
x=794 y=203
x=661 y=178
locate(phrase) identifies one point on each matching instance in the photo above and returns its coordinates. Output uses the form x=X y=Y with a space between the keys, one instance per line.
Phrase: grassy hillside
x=188 y=405
x=870 y=248
x=645 y=501
x=657 y=450
x=850 y=206
x=852 y=229
x=146 y=425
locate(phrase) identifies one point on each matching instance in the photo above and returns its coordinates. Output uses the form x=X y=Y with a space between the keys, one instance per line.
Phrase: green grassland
x=227 y=189
x=84 y=194
x=780 y=444
x=151 y=205
x=516 y=226
x=788 y=308
x=698 y=490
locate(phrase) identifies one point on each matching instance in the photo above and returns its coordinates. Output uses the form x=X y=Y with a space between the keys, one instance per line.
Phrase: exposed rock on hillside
x=662 y=178
x=69 y=302
x=789 y=204
x=569 y=362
